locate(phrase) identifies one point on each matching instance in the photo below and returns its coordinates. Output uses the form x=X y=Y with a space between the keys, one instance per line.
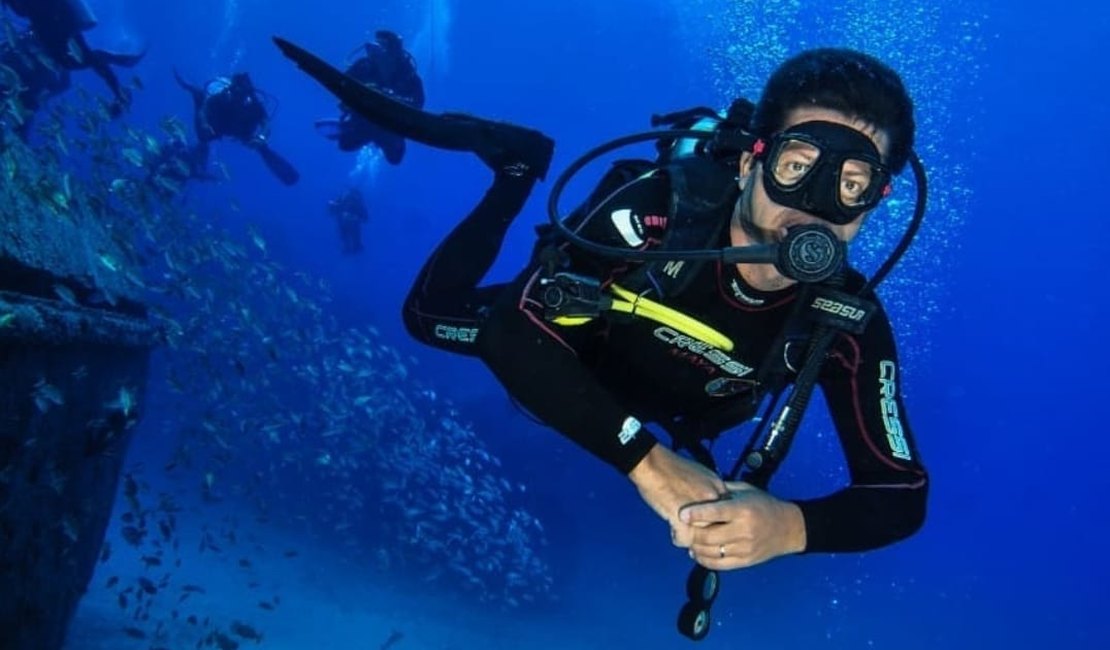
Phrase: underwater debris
x=392 y=640
x=245 y=631
x=147 y=585
x=70 y=528
x=134 y=633
x=45 y=396
x=132 y=535
x=65 y=294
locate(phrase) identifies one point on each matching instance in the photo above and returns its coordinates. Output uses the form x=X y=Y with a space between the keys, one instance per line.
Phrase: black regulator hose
x=807 y=253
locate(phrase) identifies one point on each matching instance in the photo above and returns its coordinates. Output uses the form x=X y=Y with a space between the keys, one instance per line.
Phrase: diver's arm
x=540 y=367
x=885 y=501
x=538 y=360
x=181 y=81
x=98 y=62
x=195 y=92
x=546 y=366
x=100 y=66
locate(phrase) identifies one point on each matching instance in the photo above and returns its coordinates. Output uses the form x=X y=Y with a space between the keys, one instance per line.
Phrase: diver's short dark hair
x=854 y=83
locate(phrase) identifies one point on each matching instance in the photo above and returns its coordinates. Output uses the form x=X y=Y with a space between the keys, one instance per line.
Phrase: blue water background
x=997 y=308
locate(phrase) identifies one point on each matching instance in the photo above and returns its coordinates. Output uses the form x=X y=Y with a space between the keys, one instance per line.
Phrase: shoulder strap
x=702 y=195
x=620 y=173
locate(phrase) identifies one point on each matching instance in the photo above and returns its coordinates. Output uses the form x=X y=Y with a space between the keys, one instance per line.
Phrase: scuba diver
x=175 y=163
x=350 y=213
x=231 y=107
x=389 y=69
x=693 y=294
x=59 y=26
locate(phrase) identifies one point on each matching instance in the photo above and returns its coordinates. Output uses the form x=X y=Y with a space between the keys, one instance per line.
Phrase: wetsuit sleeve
x=543 y=371
x=885 y=500
x=547 y=367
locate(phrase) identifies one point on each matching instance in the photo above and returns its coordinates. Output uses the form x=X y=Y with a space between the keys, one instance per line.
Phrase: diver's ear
x=747 y=161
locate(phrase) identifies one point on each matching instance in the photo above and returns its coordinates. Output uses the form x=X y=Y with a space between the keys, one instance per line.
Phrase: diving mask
x=829 y=170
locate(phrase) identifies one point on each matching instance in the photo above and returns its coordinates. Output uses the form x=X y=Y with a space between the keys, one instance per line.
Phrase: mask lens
x=794 y=160
x=859 y=183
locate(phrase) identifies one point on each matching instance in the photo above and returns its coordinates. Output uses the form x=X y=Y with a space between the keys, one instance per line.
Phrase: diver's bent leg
x=450 y=322
x=195 y=92
x=445 y=307
x=504 y=147
x=393 y=148
x=355 y=133
x=105 y=72
x=281 y=168
x=466 y=255
x=327 y=127
x=120 y=59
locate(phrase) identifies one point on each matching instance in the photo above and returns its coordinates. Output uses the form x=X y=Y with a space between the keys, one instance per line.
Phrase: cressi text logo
x=452 y=333
x=888 y=389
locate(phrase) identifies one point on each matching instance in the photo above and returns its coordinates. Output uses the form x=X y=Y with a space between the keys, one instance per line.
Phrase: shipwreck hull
x=71 y=380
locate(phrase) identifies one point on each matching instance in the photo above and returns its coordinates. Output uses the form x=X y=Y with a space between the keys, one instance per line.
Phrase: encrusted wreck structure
x=74 y=349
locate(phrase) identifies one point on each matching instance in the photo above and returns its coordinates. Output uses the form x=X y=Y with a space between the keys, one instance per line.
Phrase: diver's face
x=769 y=221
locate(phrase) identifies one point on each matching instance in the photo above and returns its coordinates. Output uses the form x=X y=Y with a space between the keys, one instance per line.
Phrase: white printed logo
x=895 y=437
x=739 y=294
x=452 y=333
x=673 y=267
x=622 y=221
x=704 y=350
x=629 y=428
x=838 y=309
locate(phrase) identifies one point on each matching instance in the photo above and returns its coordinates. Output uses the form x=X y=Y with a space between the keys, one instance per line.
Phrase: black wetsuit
x=586 y=380
x=176 y=163
x=390 y=71
x=350 y=213
x=233 y=108
x=233 y=112
x=59 y=27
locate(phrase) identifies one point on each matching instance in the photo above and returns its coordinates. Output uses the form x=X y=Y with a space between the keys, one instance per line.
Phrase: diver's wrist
x=795 y=523
x=647 y=468
x=634 y=443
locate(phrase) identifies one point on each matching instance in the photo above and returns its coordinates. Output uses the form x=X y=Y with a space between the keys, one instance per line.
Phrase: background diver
x=175 y=163
x=59 y=26
x=231 y=107
x=349 y=211
x=389 y=69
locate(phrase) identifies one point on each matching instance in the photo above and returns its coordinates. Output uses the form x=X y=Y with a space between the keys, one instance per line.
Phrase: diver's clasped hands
x=667 y=482
x=725 y=525
x=744 y=528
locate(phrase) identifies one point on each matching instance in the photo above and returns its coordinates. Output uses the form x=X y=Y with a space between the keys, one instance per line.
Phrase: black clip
x=572 y=295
